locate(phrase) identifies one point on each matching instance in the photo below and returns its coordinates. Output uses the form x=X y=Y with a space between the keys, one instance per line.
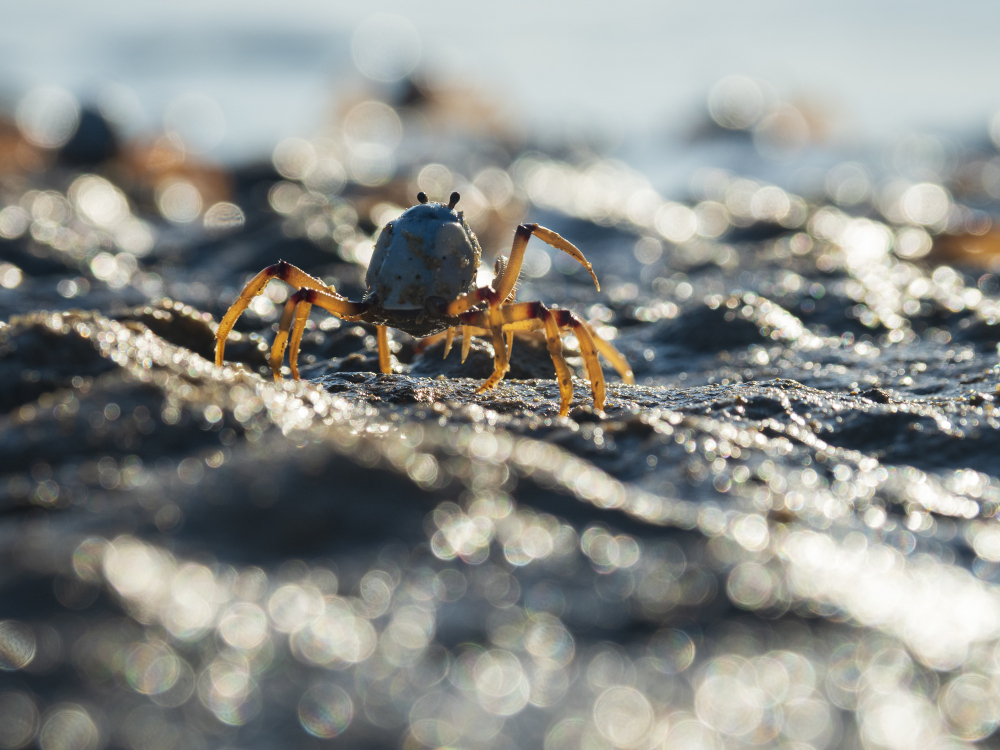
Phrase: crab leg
x=298 y=328
x=507 y=273
x=605 y=349
x=478 y=320
x=384 y=357
x=508 y=276
x=563 y=374
x=515 y=316
x=466 y=343
x=501 y=358
x=280 y=270
x=595 y=374
x=524 y=317
x=296 y=313
x=611 y=354
x=543 y=318
x=467 y=333
x=448 y=336
x=500 y=269
x=289 y=320
x=532 y=316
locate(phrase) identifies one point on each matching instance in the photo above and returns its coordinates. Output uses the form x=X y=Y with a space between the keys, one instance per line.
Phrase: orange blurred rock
x=979 y=250
x=147 y=166
x=17 y=154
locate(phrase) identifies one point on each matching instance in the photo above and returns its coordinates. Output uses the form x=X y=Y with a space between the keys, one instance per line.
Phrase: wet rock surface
x=784 y=533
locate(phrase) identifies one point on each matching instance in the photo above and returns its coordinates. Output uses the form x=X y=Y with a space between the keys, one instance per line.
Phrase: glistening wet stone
x=784 y=534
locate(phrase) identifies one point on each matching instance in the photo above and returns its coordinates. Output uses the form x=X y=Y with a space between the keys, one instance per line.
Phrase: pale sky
x=630 y=66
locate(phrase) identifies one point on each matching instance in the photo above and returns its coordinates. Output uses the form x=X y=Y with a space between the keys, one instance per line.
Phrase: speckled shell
x=429 y=251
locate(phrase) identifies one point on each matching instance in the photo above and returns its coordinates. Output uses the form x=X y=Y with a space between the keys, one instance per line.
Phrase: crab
x=422 y=280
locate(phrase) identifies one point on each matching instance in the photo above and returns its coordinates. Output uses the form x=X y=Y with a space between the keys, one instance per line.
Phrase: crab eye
x=422 y=196
x=455 y=198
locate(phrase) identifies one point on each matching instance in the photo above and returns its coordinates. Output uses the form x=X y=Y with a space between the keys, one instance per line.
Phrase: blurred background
x=234 y=78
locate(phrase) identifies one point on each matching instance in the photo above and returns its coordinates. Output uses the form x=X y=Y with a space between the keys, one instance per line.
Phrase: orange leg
x=563 y=375
x=516 y=316
x=482 y=323
x=384 y=356
x=466 y=342
x=595 y=374
x=293 y=320
x=280 y=270
x=604 y=348
x=508 y=272
x=492 y=320
x=611 y=354
x=534 y=315
x=500 y=270
x=467 y=333
x=448 y=336
x=500 y=295
x=293 y=317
